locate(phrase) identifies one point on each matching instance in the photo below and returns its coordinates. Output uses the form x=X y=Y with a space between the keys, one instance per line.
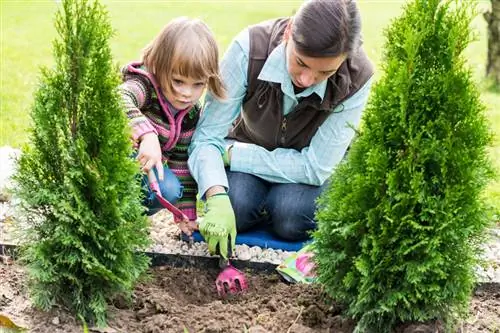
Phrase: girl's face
x=186 y=91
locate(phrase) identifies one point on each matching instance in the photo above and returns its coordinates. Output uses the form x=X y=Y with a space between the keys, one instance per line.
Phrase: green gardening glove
x=218 y=224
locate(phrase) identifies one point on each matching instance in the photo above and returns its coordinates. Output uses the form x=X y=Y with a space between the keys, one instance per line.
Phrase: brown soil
x=185 y=300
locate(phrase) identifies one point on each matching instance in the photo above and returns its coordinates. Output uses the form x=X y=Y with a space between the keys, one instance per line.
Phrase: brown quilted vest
x=262 y=121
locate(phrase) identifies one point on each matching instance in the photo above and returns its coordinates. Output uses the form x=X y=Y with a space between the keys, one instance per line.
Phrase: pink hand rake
x=230 y=281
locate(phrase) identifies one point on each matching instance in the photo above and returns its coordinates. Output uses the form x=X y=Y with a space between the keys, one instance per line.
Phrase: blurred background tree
x=493 y=61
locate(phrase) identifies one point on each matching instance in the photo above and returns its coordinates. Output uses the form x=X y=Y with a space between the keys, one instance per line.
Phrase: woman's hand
x=149 y=155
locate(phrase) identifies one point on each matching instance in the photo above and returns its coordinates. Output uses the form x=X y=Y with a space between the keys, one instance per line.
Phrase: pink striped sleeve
x=135 y=95
x=189 y=212
x=141 y=128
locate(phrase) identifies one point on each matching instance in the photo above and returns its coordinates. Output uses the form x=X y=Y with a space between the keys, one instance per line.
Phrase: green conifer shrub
x=401 y=223
x=77 y=177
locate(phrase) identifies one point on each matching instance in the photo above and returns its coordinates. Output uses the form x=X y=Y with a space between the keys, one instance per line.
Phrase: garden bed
x=182 y=298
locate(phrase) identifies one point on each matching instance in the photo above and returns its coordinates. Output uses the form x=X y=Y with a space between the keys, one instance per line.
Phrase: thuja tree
x=76 y=175
x=401 y=224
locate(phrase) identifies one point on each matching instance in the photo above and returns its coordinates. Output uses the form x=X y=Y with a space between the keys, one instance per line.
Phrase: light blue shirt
x=312 y=165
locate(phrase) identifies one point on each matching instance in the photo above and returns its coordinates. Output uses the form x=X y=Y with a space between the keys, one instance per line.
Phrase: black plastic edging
x=189 y=261
x=177 y=260
x=8 y=250
x=183 y=260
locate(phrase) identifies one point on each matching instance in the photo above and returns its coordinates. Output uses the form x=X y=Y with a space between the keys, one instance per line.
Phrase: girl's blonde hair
x=185 y=47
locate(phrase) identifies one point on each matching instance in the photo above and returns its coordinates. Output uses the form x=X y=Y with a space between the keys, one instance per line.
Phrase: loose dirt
x=185 y=300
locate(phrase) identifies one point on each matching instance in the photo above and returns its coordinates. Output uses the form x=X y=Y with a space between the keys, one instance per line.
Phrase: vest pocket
x=263 y=94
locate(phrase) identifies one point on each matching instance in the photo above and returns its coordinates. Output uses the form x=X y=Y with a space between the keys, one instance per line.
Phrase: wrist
x=214 y=190
x=147 y=136
x=226 y=157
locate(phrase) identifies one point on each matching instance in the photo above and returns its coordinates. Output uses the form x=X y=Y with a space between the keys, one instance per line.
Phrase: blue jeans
x=171 y=189
x=288 y=208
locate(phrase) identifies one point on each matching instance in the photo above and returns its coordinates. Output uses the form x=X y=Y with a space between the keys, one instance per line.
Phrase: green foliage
x=402 y=221
x=85 y=327
x=76 y=177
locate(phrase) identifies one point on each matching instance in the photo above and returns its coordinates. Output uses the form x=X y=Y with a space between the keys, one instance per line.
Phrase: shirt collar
x=275 y=70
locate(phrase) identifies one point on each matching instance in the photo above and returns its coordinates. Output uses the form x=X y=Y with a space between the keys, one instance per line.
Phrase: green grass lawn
x=27 y=32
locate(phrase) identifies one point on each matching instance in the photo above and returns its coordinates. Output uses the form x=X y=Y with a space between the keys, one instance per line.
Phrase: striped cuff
x=141 y=128
x=189 y=212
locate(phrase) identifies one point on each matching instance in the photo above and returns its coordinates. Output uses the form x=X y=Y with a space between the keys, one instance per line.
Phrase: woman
x=296 y=86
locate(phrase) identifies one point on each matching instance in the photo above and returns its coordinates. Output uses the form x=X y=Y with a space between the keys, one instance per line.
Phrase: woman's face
x=186 y=91
x=307 y=71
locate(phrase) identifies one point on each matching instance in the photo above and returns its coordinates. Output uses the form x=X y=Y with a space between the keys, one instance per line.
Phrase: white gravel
x=166 y=236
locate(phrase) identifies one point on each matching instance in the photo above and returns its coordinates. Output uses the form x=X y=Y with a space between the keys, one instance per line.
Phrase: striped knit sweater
x=148 y=112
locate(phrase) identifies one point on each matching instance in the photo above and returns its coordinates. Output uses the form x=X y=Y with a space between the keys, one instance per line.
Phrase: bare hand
x=149 y=155
x=188 y=227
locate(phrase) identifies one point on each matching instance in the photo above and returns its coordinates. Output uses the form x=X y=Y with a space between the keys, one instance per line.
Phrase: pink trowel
x=230 y=280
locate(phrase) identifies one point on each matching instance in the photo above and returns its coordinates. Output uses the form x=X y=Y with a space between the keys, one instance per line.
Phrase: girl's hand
x=149 y=155
x=188 y=227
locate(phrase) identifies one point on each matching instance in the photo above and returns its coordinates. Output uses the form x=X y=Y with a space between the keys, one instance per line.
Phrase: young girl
x=161 y=98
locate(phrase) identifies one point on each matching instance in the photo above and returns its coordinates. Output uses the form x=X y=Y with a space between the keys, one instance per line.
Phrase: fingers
x=233 y=240
x=152 y=177
x=148 y=159
x=142 y=162
x=185 y=228
x=142 y=159
x=159 y=168
x=193 y=226
x=188 y=226
x=148 y=166
x=140 y=155
x=212 y=244
x=223 y=247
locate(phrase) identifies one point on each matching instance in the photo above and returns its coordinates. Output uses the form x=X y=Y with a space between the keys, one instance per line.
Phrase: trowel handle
x=223 y=263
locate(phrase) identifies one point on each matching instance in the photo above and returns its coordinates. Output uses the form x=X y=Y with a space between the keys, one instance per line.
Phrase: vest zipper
x=283 y=131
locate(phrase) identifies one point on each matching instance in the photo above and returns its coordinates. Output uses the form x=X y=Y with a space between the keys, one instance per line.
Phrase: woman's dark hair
x=327 y=28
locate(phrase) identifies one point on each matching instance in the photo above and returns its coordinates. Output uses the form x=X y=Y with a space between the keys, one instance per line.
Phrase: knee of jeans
x=292 y=226
x=171 y=189
x=288 y=230
x=245 y=212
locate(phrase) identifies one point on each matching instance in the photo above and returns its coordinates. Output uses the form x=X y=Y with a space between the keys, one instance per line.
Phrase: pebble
x=7 y=167
x=166 y=239
x=243 y=252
